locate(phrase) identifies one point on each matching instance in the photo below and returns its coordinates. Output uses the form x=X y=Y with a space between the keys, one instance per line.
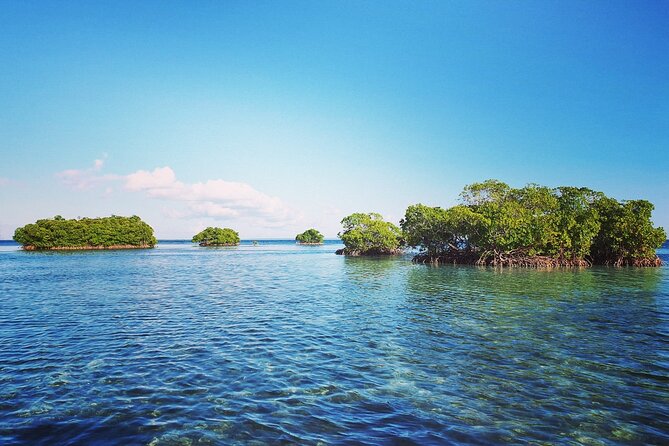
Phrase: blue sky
x=271 y=117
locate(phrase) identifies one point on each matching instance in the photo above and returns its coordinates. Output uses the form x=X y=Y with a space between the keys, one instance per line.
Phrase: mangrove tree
x=112 y=232
x=369 y=234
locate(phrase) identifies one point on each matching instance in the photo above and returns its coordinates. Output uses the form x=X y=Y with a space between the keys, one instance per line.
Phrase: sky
x=271 y=117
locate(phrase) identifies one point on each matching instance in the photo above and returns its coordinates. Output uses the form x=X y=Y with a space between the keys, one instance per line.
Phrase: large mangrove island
x=112 y=232
x=536 y=226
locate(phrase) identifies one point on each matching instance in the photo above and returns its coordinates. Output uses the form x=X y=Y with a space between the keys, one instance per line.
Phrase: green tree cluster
x=60 y=233
x=534 y=225
x=217 y=237
x=310 y=237
x=627 y=235
x=369 y=234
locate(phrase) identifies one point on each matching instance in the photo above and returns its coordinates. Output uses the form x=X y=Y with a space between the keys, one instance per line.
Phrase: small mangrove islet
x=534 y=226
x=310 y=237
x=369 y=235
x=113 y=232
x=217 y=237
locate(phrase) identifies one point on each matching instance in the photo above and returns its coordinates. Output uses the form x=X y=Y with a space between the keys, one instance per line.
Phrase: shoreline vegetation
x=369 y=235
x=534 y=226
x=60 y=234
x=494 y=225
x=217 y=237
x=310 y=237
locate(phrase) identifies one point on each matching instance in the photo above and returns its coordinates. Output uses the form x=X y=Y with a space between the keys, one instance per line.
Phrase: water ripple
x=281 y=344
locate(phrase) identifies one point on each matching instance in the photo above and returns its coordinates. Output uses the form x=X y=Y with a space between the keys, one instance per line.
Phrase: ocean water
x=287 y=344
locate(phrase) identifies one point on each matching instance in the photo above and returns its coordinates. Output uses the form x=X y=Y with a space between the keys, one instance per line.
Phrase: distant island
x=217 y=237
x=310 y=237
x=533 y=226
x=113 y=232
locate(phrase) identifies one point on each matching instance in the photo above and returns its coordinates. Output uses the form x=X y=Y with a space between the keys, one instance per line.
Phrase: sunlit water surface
x=282 y=344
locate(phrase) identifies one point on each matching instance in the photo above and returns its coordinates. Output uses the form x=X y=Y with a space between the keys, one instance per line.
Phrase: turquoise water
x=283 y=344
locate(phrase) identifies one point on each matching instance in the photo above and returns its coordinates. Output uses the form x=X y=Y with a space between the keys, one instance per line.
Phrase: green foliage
x=369 y=234
x=310 y=236
x=508 y=219
x=438 y=230
x=217 y=237
x=504 y=226
x=577 y=222
x=426 y=227
x=477 y=194
x=627 y=234
x=541 y=207
x=567 y=223
x=86 y=232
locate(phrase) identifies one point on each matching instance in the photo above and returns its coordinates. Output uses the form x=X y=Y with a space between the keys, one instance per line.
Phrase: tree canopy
x=310 y=236
x=369 y=234
x=216 y=237
x=534 y=226
x=86 y=233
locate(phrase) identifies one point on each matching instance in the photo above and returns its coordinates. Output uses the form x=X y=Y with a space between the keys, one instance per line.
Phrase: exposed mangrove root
x=455 y=258
x=371 y=252
x=519 y=259
x=502 y=261
x=533 y=262
x=623 y=261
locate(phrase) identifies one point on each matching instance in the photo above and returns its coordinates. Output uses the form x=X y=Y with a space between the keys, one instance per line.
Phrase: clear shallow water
x=281 y=344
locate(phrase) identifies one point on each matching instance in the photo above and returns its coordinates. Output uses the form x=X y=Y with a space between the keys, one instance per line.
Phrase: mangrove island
x=217 y=237
x=112 y=232
x=534 y=226
x=310 y=237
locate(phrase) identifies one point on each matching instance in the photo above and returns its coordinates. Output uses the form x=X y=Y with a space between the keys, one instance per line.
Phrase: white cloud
x=217 y=199
x=154 y=182
x=211 y=209
x=212 y=198
x=85 y=178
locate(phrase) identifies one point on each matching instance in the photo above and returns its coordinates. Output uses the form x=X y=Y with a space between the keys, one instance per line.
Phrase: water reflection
x=364 y=269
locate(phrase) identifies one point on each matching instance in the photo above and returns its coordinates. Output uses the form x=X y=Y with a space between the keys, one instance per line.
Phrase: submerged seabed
x=292 y=344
